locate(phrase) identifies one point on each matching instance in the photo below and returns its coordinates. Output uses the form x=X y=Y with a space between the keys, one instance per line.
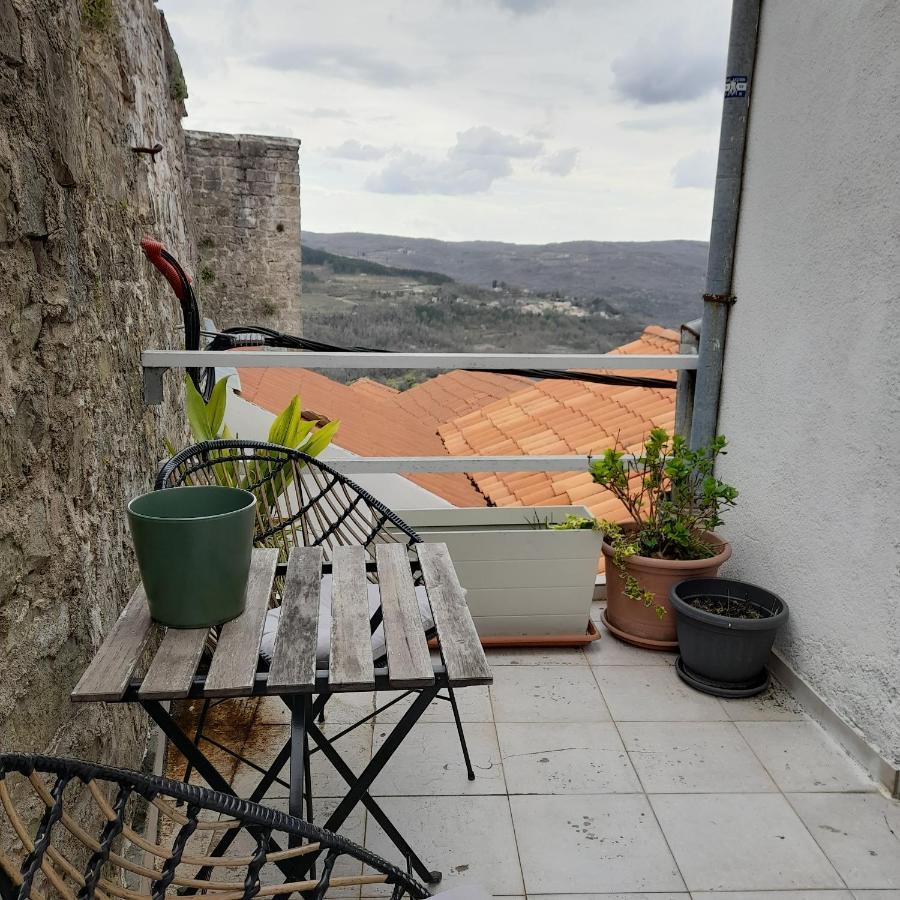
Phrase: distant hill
x=658 y=282
x=343 y=265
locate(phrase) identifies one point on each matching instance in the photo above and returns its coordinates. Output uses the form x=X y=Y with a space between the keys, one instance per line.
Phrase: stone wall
x=80 y=85
x=246 y=195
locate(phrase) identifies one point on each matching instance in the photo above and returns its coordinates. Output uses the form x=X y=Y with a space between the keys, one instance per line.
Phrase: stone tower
x=246 y=202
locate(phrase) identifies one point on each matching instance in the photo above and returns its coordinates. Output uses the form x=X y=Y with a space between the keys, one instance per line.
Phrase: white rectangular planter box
x=520 y=580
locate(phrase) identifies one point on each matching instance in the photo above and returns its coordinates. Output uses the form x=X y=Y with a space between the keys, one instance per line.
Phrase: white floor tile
x=741 y=842
x=693 y=757
x=664 y=895
x=466 y=838
x=775 y=704
x=654 y=694
x=429 y=762
x=536 y=656
x=610 y=651
x=573 y=758
x=860 y=833
x=600 y=843
x=772 y=895
x=801 y=757
x=474 y=706
x=547 y=694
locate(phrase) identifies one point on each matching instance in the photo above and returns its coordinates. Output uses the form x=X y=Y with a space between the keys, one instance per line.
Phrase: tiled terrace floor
x=599 y=773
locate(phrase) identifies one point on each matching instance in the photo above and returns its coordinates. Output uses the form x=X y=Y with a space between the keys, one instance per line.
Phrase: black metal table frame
x=305 y=709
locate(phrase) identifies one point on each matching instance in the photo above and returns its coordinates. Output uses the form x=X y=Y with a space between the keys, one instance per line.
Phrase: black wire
x=258 y=335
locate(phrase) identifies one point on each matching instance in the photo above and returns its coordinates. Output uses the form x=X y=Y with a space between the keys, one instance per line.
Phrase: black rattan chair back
x=302 y=501
x=87 y=844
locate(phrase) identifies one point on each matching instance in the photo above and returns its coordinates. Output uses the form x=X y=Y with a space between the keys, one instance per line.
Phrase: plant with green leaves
x=290 y=429
x=576 y=523
x=673 y=497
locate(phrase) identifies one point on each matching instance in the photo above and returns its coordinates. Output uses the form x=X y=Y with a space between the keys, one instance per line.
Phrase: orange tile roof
x=369 y=387
x=564 y=417
x=369 y=426
x=456 y=393
x=462 y=413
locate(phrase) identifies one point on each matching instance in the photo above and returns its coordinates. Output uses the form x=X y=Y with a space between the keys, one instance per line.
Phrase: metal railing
x=156 y=362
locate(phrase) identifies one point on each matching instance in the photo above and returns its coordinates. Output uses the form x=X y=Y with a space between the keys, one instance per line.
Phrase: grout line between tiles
x=643 y=788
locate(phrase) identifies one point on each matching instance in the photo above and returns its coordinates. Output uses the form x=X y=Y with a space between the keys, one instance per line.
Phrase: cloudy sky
x=517 y=120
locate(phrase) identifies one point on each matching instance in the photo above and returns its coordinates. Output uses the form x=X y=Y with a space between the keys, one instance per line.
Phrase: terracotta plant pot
x=631 y=621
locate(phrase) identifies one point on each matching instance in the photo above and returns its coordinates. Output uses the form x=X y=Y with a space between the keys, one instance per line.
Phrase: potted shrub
x=726 y=629
x=675 y=502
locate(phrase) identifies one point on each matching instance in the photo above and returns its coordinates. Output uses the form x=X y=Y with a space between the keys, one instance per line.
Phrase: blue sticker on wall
x=735 y=86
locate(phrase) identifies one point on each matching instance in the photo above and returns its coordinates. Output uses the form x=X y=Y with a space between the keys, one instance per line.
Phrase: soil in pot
x=634 y=623
x=732 y=607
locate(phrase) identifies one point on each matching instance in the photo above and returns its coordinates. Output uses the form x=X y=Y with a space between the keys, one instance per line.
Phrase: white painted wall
x=811 y=395
x=249 y=421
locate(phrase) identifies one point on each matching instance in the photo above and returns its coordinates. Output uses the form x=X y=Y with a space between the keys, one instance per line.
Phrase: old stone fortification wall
x=79 y=86
x=246 y=195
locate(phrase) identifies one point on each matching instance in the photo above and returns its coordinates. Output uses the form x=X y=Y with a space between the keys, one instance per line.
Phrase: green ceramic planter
x=193 y=548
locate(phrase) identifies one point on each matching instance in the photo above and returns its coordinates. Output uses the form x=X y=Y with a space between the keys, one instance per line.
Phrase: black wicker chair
x=306 y=503
x=87 y=843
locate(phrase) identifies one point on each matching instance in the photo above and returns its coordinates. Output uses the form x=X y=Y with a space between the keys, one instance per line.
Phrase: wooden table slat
x=108 y=674
x=351 y=667
x=461 y=647
x=409 y=662
x=175 y=664
x=294 y=657
x=236 y=656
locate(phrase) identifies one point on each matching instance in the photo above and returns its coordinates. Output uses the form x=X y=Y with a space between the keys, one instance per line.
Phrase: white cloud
x=674 y=64
x=697 y=170
x=353 y=149
x=562 y=162
x=479 y=157
x=408 y=77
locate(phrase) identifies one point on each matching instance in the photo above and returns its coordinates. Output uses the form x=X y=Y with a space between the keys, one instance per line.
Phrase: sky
x=530 y=121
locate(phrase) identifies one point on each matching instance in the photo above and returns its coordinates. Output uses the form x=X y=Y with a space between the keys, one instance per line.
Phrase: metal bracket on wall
x=724 y=299
x=153 y=384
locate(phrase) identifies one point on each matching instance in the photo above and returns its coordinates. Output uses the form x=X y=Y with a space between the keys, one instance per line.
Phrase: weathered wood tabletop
x=175 y=670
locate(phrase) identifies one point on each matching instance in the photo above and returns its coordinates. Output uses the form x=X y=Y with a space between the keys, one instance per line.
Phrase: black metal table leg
x=359 y=786
x=298 y=758
x=211 y=775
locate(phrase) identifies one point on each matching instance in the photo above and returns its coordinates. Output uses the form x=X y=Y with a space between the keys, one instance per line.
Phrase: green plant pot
x=193 y=548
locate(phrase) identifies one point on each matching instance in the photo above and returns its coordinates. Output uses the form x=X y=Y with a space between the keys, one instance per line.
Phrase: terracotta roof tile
x=369 y=426
x=563 y=417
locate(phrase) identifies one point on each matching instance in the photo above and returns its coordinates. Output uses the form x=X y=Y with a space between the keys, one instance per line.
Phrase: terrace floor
x=599 y=773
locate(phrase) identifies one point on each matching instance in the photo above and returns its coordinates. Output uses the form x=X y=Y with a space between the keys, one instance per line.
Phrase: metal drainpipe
x=687 y=379
x=717 y=300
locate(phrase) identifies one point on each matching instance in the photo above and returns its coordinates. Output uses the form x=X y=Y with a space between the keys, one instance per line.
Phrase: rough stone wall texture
x=246 y=196
x=79 y=86
x=811 y=394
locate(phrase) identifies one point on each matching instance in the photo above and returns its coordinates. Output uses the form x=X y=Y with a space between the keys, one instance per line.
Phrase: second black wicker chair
x=87 y=844
x=302 y=502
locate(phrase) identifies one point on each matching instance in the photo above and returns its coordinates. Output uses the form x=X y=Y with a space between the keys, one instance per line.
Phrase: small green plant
x=290 y=429
x=97 y=14
x=673 y=497
x=576 y=523
x=207 y=276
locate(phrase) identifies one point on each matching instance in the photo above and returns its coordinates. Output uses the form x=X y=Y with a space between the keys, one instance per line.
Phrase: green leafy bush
x=673 y=497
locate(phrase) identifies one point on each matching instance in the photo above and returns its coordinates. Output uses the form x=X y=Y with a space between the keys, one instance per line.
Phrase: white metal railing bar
x=305 y=359
x=371 y=465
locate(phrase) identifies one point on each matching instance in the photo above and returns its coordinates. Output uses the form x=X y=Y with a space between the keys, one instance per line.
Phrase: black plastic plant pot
x=724 y=655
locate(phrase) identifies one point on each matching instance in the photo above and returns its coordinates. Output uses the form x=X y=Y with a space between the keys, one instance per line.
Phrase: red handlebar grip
x=153 y=251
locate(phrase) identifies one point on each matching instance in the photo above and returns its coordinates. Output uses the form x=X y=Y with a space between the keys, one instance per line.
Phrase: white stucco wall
x=811 y=396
